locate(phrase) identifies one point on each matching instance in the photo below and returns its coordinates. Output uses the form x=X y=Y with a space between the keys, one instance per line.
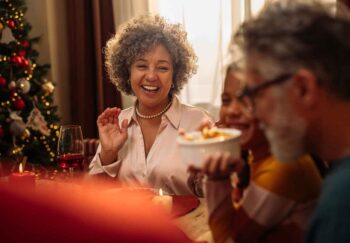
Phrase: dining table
x=193 y=221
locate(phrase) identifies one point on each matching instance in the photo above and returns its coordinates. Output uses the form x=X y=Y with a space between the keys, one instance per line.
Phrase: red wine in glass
x=70 y=148
x=75 y=161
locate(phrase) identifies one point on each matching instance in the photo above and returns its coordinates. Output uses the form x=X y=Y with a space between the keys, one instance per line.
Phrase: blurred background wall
x=73 y=33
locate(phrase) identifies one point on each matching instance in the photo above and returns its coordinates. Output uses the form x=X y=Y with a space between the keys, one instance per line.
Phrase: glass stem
x=71 y=170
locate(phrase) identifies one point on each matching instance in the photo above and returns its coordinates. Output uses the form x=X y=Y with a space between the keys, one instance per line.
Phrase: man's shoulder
x=336 y=186
x=331 y=219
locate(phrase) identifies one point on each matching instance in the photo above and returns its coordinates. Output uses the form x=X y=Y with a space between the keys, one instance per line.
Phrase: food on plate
x=207 y=133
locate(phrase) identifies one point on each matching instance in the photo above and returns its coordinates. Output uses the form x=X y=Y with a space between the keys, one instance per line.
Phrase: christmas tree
x=28 y=117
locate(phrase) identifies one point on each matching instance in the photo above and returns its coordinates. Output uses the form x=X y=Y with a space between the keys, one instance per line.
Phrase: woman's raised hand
x=112 y=136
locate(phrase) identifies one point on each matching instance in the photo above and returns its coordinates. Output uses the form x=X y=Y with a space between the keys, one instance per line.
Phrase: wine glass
x=70 y=148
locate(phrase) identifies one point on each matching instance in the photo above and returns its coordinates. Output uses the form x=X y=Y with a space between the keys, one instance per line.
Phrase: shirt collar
x=173 y=114
x=129 y=114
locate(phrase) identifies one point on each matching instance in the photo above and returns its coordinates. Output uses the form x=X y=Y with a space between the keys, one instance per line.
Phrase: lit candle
x=22 y=179
x=164 y=201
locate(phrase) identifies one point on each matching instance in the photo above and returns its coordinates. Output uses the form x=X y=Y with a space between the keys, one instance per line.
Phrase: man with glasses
x=298 y=73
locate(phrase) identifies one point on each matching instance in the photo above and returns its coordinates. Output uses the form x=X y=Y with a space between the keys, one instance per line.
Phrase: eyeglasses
x=251 y=92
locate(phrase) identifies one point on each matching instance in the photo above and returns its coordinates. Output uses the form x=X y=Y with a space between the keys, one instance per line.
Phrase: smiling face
x=151 y=77
x=234 y=115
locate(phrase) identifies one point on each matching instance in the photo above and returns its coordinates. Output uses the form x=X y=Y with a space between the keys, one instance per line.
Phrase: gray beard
x=286 y=134
x=286 y=148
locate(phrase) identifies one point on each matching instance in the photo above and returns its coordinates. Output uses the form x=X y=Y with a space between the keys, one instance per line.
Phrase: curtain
x=123 y=11
x=345 y=2
x=90 y=25
x=209 y=31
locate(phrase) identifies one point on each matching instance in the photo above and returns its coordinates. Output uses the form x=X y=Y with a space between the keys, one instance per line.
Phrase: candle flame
x=160 y=192
x=20 y=168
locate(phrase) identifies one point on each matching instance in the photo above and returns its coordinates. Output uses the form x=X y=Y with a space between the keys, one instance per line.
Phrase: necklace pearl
x=152 y=116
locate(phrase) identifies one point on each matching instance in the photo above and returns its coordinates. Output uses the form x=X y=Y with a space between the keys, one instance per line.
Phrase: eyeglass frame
x=251 y=92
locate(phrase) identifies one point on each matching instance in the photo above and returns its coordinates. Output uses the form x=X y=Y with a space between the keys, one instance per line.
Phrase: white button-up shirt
x=163 y=167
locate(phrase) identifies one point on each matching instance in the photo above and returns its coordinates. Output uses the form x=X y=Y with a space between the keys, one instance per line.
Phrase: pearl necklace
x=152 y=116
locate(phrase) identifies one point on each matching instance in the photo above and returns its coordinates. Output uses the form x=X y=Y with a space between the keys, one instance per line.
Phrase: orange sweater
x=275 y=207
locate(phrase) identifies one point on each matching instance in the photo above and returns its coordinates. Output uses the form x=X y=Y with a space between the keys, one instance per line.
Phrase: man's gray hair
x=294 y=34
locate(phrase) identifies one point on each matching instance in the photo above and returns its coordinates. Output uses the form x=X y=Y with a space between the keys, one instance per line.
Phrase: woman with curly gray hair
x=152 y=60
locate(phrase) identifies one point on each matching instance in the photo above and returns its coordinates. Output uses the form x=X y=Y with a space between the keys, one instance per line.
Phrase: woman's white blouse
x=163 y=167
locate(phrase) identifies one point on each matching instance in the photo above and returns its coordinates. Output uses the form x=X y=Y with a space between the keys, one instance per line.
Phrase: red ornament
x=2 y=82
x=19 y=60
x=2 y=133
x=11 y=23
x=25 y=62
x=13 y=59
x=22 y=53
x=19 y=104
x=16 y=60
x=25 y=43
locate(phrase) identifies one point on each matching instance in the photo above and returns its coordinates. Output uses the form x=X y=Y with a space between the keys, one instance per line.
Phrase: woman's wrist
x=108 y=157
x=218 y=177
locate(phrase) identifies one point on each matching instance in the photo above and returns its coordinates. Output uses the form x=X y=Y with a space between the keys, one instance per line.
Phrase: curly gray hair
x=294 y=34
x=137 y=36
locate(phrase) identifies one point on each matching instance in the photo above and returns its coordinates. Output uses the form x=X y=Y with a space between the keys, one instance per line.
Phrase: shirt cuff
x=96 y=167
x=217 y=191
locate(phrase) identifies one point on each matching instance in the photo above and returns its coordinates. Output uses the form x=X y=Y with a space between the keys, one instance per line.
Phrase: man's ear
x=305 y=87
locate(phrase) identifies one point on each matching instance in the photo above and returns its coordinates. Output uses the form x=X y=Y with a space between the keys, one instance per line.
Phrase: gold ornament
x=48 y=87
x=25 y=134
x=24 y=85
x=1 y=27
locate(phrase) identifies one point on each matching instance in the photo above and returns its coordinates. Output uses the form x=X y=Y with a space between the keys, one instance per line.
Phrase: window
x=209 y=25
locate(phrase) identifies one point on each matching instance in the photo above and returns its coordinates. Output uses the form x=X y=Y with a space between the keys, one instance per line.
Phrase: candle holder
x=22 y=180
x=163 y=200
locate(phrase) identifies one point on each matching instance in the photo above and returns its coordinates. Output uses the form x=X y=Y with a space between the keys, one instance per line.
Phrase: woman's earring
x=172 y=86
